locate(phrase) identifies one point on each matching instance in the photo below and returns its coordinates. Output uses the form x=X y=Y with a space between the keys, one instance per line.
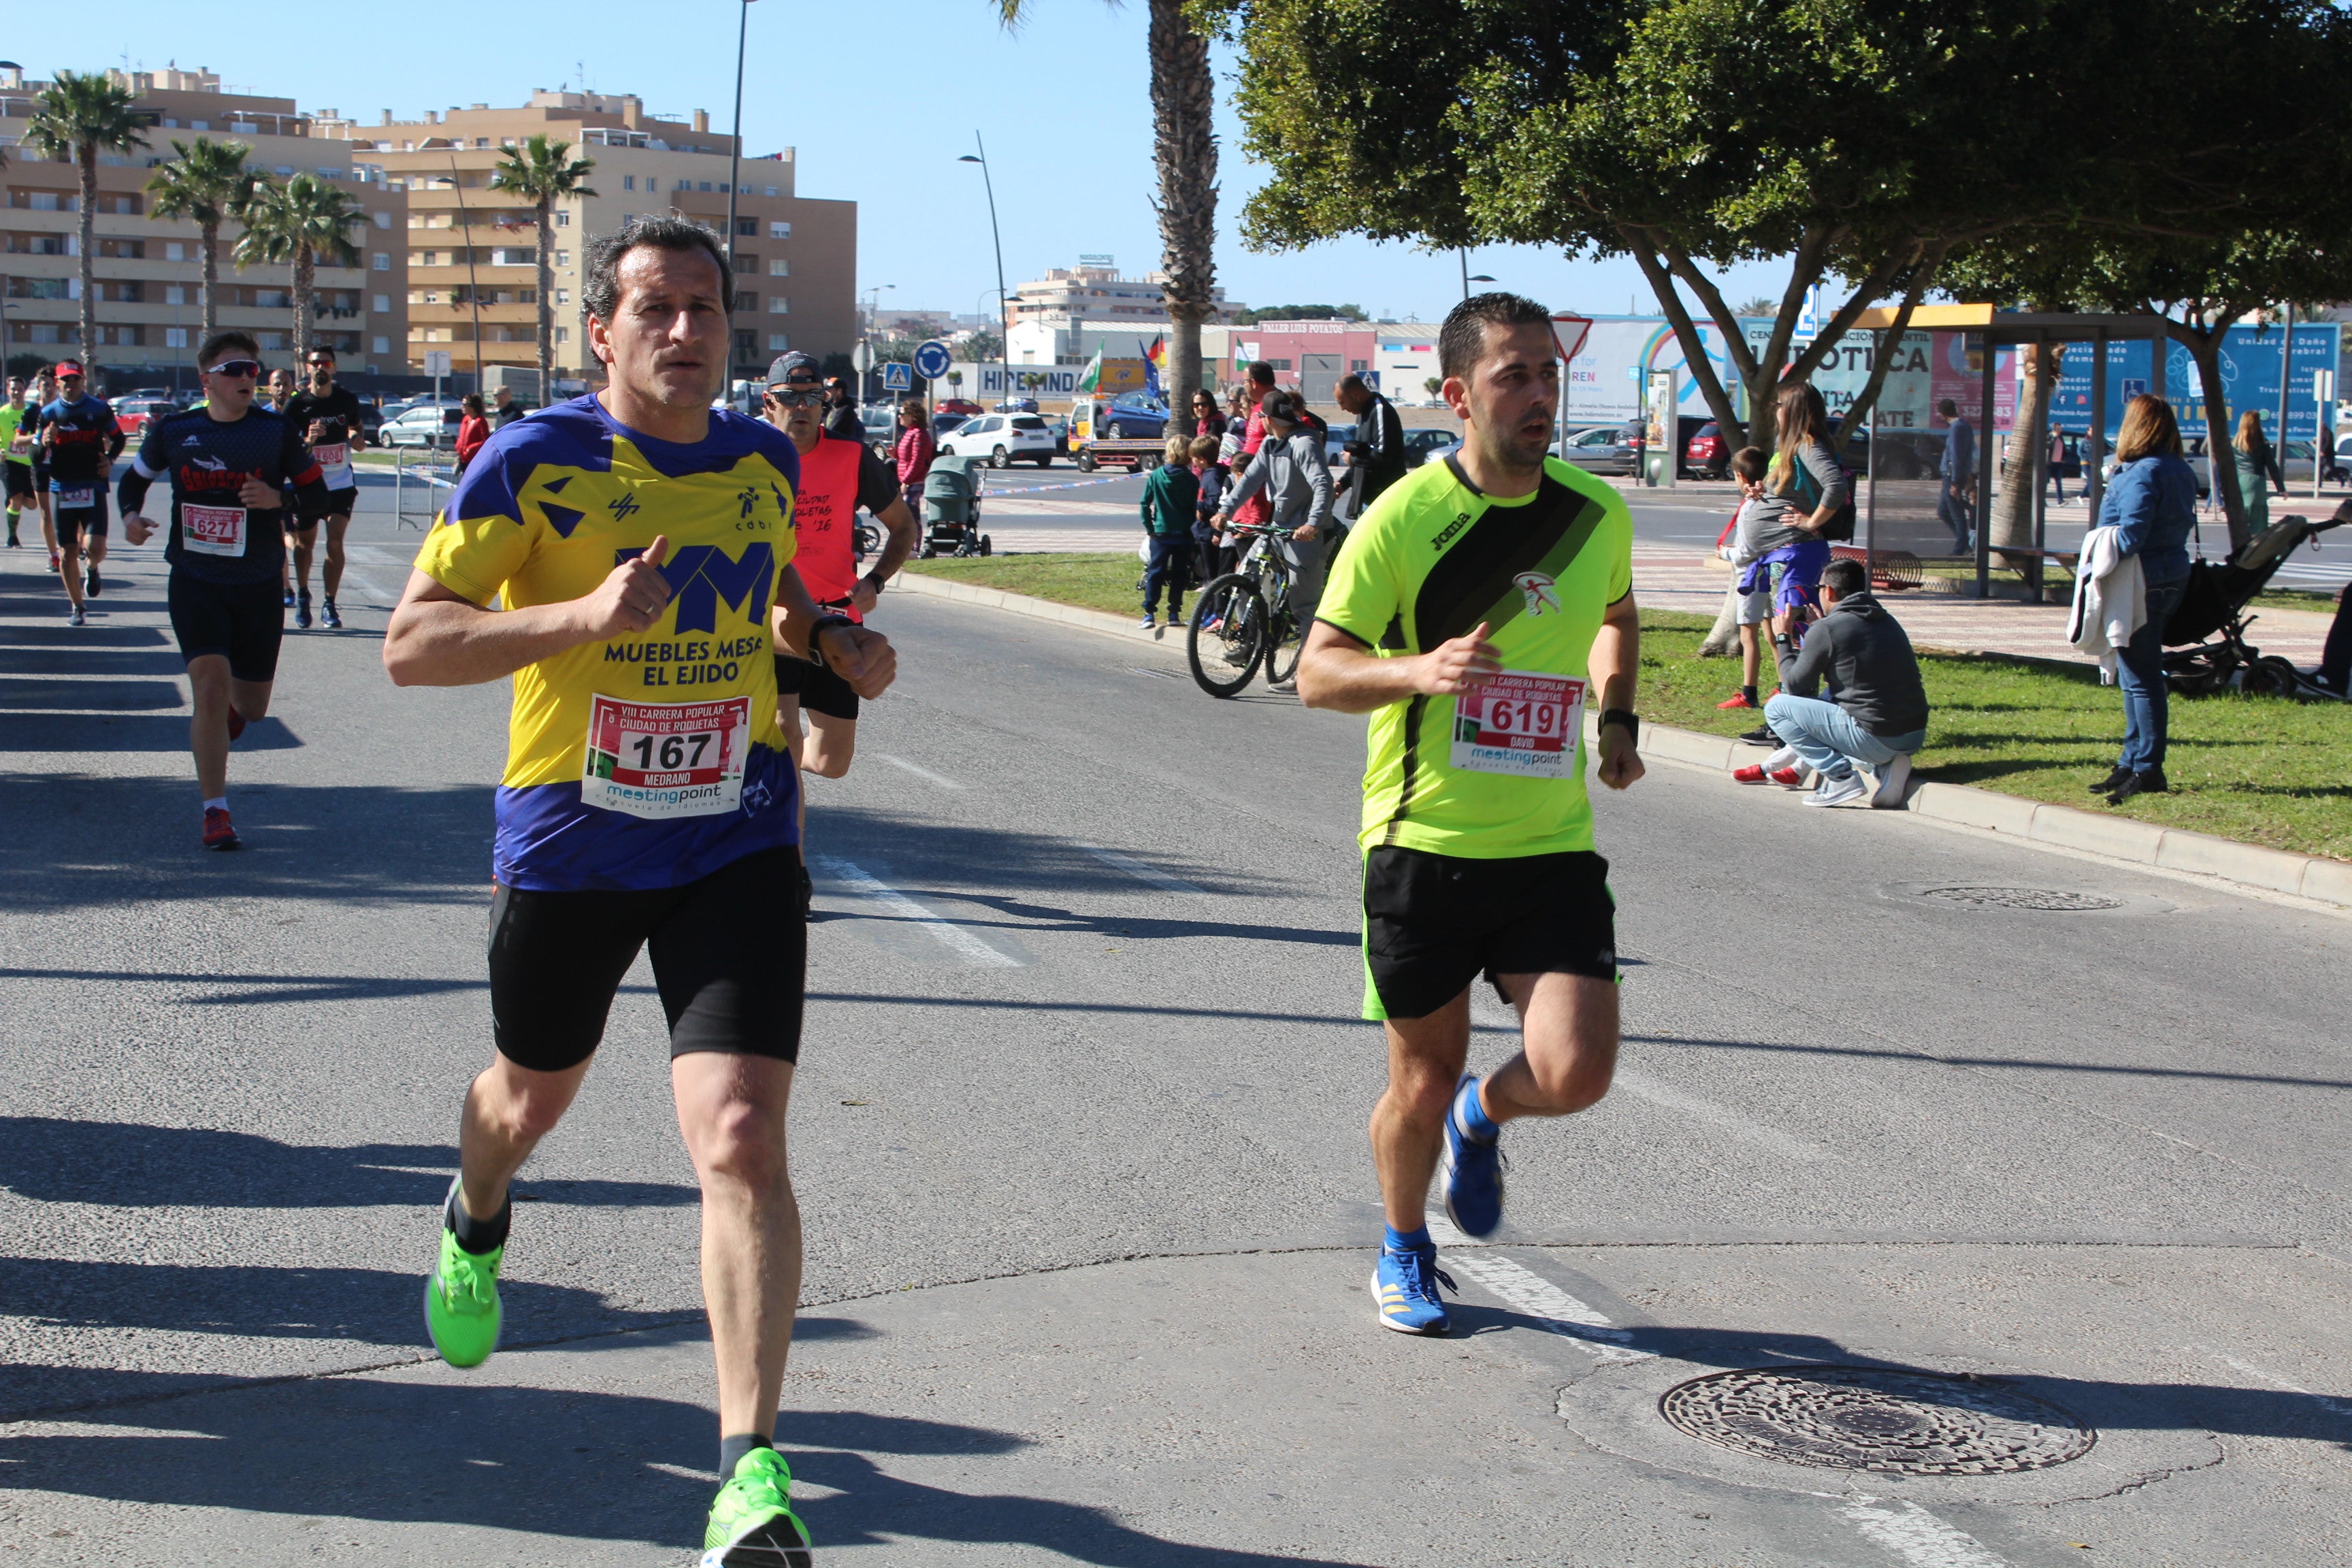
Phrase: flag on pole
x=1155 y=358
x=1093 y=376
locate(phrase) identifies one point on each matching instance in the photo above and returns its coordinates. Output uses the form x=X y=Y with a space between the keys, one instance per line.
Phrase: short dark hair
x=222 y=341
x=1844 y=577
x=326 y=349
x=1462 y=339
x=599 y=291
x=1352 y=383
x=1260 y=372
x=1948 y=409
x=1748 y=463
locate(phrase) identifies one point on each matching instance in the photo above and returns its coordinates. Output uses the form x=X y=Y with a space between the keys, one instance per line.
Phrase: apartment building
x=147 y=271
x=468 y=268
x=1095 y=291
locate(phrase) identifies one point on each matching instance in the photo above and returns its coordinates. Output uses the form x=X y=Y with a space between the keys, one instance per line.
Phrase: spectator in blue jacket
x=2152 y=506
x=1955 y=505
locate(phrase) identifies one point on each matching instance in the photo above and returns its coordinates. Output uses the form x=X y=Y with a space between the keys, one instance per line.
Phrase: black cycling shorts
x=818 y=687
x=79 y=521
x=729 y=957
x=1432 y=923
x=20 y=483
x=339 y=504
x=242 y=622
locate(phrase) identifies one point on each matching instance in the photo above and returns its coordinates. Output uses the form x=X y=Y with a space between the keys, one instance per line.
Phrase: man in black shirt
x=840 y=420
x=328 y=418
x=506 y=410
x=231 y=465
x=78 y=436
x=1376 y=457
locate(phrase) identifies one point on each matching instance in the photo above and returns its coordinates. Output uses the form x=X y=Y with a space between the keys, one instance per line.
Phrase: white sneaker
x=1894 y=779
x=1837 y=792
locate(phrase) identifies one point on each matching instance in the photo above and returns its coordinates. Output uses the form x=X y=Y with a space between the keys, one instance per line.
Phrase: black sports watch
x=824 y=625
x=1625 y=716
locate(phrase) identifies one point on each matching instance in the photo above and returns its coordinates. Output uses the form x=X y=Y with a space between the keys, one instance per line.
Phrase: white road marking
x=1537 y=1297
x=2333 y=1406
x=1918 y=1537
x=1667 y=1097
x=950 y=934
x=1141 y=872
x=924 y=773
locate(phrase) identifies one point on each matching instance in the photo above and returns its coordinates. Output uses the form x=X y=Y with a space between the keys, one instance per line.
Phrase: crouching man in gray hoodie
x=1880 y=716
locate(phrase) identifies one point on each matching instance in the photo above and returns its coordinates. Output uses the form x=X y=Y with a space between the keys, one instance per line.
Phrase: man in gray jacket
x=1880 y=716
x=1290 y=470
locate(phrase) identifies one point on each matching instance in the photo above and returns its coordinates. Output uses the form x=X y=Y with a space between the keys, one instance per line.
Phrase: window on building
x=562 y=219
x=384 y=346
x=628 y=182
x=745 y=227
x=725 y=189
x=778 y=267
x=381 y=261
x=779 y=229
x=564 y=335
x=779 y=342
x=383 y=303
x=706 y=184
x=766 y=190
x=779 y=306
x=563 y=295
x=481 y=142
x=175 y=337
x=563 y=259
x=384 y=220
x=746 y=346
x=745 y=300
x=175 y=294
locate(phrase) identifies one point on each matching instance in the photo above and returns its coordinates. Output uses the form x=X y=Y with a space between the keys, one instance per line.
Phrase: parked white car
x=424 y=425
x=1003 y=439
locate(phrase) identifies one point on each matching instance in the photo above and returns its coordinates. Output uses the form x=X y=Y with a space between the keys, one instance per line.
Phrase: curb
x=2063 y=827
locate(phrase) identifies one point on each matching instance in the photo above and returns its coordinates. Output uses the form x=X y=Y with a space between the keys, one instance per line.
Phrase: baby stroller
x=2212 y=620
x=951 y=508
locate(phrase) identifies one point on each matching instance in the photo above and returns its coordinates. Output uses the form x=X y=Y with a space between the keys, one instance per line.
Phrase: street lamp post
x=735 y=163
x=1469 y=277
x=1004 y=333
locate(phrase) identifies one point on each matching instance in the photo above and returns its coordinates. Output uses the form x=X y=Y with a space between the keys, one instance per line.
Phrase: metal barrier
x=417 y=480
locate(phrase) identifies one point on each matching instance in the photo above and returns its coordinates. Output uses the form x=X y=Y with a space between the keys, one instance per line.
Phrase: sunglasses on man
x=795 y=397
x=237 y=367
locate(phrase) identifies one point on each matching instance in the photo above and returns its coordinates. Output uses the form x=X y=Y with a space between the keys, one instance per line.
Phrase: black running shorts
x=339 y=504
x=730 y=960
x=819 y=689
x=20 y=484
x=1432 y=923
x=242 y=622
x=80 y=521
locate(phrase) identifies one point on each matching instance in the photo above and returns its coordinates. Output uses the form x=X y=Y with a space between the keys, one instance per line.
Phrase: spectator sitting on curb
x=1880 y=716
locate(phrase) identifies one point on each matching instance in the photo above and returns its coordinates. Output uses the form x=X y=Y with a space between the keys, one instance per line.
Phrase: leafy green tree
x=542 y=172
x=78 y=118
x=209 y=185
x=304 y=222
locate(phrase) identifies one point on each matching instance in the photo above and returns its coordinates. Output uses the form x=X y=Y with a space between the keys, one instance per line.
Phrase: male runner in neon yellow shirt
x=1477 y=611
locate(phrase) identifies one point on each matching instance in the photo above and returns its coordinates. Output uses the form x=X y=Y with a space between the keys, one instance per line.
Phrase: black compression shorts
x=86 y=521
x=729 y=957
x=242 y=622
x=818 y=687
x=339 y=504
x=20 y=483
x=1432 y=923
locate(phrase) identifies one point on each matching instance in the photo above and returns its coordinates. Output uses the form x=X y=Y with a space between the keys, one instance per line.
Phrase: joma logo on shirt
x=699 y=575
x=1461 y=521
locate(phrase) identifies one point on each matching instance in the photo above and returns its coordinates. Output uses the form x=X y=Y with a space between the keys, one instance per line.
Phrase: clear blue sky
x=878 y=99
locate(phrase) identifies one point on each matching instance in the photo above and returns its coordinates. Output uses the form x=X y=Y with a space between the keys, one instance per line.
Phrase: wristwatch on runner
x=1627 y=717
x=824 y=625
x=872 y=582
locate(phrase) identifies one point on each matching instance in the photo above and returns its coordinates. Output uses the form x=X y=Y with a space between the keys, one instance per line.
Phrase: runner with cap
x=329 y=417
x=1478 y=610
x=231 y=465
x=79 y=440
x=837 y=478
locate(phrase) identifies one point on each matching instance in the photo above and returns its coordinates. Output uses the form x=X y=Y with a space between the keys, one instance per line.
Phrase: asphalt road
x=1079 y=1139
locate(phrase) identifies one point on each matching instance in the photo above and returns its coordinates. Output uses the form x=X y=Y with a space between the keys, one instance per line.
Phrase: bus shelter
x=1996 y=329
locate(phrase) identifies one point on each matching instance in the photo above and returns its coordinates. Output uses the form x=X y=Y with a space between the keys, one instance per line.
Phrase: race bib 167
x=665 y=761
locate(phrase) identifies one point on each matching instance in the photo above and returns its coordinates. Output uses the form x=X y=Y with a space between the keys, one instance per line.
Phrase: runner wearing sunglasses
x=231 y=465
x=80 y=439
x=328 y=419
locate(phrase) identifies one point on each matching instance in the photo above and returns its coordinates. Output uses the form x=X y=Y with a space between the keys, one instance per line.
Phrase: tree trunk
x=2012 y=510
x=306 y=266
x=208 y=290
x=1185 y=145
x=1723 y=638
x=2221 y=456
x=89 y=162
x=547 y=309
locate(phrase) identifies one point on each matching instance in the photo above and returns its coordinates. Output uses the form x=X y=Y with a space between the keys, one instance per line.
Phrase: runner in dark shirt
x=78 y=441
x=328 y=418
x=231 y=466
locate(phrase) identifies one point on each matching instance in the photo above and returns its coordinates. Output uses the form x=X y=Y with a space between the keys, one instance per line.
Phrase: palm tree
x=305 y=221
x=543 y=172
x=208 y=184
x=80 y=116
x=1184 y=146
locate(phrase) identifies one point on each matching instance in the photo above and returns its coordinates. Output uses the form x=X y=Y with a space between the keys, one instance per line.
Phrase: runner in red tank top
x=837 y=478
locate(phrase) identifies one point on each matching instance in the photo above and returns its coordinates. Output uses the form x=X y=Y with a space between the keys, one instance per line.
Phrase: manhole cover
x=2023 y=898
x=1862 y=1419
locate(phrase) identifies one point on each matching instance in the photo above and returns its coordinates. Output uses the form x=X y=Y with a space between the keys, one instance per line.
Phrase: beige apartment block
x=468 y=264
x=147 y=272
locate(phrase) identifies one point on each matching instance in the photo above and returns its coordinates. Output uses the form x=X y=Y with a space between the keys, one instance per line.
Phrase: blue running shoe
x=1405 y=1291
x=1472 y=1170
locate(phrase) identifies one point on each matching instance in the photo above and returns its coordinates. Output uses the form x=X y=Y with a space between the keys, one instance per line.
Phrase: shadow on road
x=2129 y=1069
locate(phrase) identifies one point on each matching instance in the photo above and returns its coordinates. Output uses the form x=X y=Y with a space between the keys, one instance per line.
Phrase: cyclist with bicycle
x=1290 y=471
x=1483 y=605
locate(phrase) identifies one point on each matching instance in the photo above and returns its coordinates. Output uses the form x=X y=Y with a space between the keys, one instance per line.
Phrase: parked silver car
x=1600 y=449
x=424 y=425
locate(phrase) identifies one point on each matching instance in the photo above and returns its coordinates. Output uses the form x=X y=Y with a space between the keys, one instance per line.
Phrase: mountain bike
x=1243 y=622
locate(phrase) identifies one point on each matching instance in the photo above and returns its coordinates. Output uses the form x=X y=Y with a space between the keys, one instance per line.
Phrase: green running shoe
x=461 y=1301
x=752 y=1524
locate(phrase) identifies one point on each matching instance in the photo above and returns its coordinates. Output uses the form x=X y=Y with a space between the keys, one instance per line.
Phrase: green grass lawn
x=2261 y=770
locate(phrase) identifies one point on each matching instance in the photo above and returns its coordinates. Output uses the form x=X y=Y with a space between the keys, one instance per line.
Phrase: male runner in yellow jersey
x=639 y=545
x=1477 y=610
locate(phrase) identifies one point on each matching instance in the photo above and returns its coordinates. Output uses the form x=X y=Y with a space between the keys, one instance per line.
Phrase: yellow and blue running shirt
x=1433 y=557
x=653 y=759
